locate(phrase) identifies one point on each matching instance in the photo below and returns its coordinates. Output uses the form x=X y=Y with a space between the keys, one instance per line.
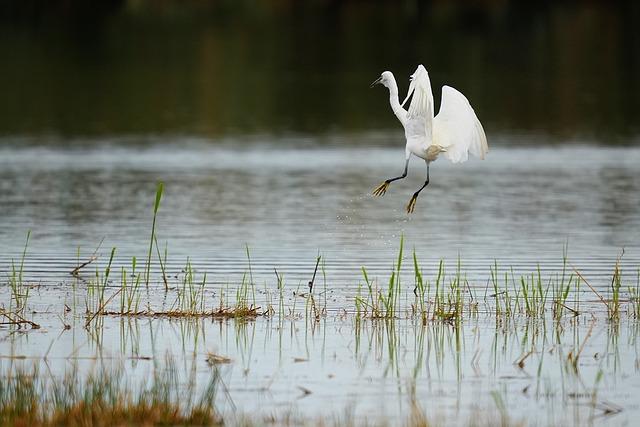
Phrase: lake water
x=292 y=199
x=260 y=122
x=338 y=369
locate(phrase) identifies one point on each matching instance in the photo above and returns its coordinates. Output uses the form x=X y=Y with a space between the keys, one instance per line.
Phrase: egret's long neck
x=400 y=112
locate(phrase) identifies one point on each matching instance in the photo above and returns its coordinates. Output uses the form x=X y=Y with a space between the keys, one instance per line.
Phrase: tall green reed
x=156 y=206
x=19 y=289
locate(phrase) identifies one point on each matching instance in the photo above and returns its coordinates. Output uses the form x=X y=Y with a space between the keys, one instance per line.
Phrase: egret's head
x=385 y=79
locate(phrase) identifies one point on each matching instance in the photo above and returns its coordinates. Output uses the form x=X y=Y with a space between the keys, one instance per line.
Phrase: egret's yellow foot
x=412 y=204
x=381 y=189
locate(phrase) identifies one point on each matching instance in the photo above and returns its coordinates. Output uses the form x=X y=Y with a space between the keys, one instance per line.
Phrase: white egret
x=455 y=131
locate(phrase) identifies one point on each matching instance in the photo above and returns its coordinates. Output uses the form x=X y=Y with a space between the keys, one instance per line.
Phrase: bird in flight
x=455 y=131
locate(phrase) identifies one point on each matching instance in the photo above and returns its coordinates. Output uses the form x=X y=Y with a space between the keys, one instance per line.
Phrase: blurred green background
x=560 y=70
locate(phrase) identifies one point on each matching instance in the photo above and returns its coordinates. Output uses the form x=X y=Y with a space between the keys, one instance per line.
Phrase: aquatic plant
x=634 y=297
x=156 y=206
x=104 y=398
x=507 y=295
x=380 y=304
x=19 y=289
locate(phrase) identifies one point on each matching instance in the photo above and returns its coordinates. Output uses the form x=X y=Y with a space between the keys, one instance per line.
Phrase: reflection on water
x=372 y=368
x=218 y=68
x=141 y=78
x=292 y=198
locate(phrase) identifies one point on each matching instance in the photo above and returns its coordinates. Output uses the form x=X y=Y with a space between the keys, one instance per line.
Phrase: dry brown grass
x=100 y=413
x=218 y=313
x=27 y=399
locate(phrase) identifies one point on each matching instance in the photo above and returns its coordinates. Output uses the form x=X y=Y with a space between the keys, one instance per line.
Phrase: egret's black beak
x=376 y=82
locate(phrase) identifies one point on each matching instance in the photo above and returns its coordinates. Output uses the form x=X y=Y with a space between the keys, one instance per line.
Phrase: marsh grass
x=534 y=294
x=16 y=313
x=14 y=319
x=190 y=295
x=104 y=398
x=162 y=260
x=189 y=291
x=19 y=289
x=613 y=305
x=312 y=310
x=634 y=297
x=614 y=302
x=244 y=302
x=561 y=289
x=156 y=206
x=447 y=296
x=96 y=300
x=382 y=303
x=189 y=301
x=419 y=290
x=437 y=303
x=107 y=398
x=129 y=291
x=448 y=303
x=450 y=300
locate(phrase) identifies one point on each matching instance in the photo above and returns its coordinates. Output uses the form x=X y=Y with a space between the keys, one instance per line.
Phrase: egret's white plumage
x=455 y=131
x=421 y=107
x=457 y=128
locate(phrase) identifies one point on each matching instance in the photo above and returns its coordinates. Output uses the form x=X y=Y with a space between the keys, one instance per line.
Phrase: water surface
x=291 y=199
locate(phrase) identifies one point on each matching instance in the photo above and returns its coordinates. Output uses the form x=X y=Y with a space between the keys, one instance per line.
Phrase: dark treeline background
x=563 y=70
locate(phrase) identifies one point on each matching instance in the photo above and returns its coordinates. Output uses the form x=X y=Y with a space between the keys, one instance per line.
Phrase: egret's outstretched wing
x=421 y=107
x=457 y=129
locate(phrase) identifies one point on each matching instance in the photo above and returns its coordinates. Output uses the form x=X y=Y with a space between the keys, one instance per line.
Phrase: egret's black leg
x=412 y=203
x=382 y=188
